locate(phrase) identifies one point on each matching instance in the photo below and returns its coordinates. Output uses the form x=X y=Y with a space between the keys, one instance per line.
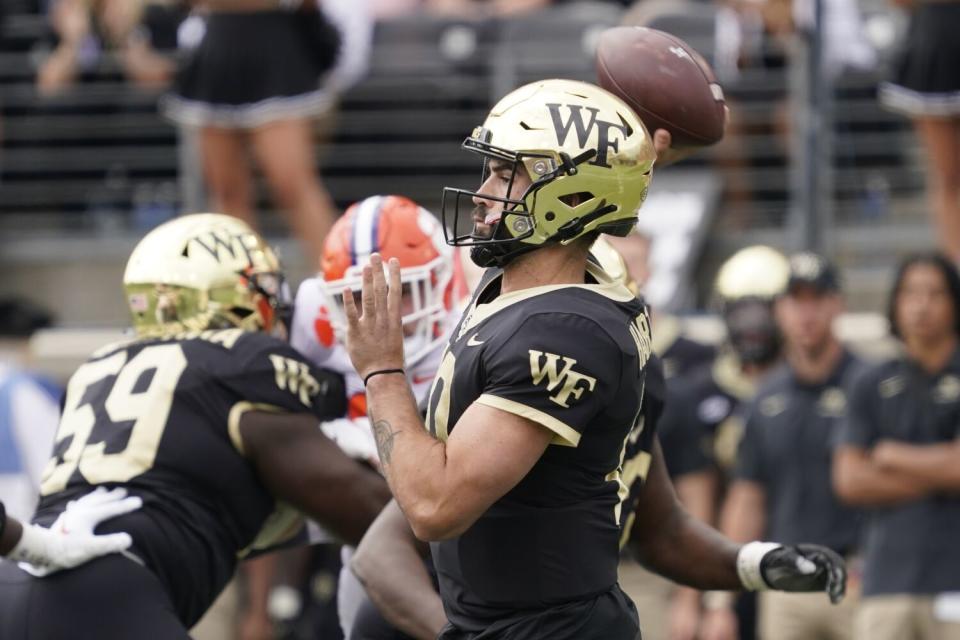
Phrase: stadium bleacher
x=77 y=162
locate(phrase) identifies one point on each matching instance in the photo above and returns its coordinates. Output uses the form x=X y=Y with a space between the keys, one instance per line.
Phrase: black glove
x=804 y=567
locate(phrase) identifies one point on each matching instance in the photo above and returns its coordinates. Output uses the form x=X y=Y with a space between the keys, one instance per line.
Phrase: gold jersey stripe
x=606 y=286
x=233 y=420
x=280 y=526
x=728 y=375
x=566 y=436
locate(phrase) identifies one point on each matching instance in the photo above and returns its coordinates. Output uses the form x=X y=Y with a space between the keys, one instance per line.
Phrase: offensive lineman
x=519 y=478
x=207 y=418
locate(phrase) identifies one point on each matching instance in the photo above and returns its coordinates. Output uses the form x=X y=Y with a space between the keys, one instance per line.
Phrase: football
x=667 y=83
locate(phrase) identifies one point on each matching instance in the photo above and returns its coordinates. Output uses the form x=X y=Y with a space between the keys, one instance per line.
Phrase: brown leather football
x=668 y=84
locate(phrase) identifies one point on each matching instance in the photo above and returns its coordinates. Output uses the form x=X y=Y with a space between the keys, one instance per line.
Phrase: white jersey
x=28 y=423
x=312 y=335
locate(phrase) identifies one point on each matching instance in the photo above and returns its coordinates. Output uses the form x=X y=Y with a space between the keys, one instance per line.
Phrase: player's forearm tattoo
x=384 y=434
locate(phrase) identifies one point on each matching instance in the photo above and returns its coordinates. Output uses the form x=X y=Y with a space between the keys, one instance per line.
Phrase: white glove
x=354 y=437
x=71 y=540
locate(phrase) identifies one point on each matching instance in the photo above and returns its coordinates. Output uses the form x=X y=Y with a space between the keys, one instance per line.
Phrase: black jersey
x=161 y=418
x=572 y=358
x=678 y=354
x=704 y=417
x=638 y=452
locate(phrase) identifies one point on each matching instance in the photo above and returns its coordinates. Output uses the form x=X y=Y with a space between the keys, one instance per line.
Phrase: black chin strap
x=498 y=255
x=569 y=164
x=575 y=227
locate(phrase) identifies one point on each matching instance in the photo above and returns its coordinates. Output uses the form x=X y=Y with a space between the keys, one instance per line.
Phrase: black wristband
x=3 y=519
x=378 y=372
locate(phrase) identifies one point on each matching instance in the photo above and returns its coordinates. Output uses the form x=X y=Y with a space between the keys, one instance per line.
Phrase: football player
x=211 y=421
x=704 y=417
x=434 y=292
x=519 y=476
x=387 y=561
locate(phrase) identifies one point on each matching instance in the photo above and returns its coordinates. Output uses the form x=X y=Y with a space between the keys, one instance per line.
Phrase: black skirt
x=251 y=69
x=926 y=76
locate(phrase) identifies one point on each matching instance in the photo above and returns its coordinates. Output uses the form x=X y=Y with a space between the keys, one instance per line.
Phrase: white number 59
x=147 y=408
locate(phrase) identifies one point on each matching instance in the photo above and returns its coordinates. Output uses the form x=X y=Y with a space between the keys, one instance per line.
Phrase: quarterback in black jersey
x=517 y=477
x=211 y=422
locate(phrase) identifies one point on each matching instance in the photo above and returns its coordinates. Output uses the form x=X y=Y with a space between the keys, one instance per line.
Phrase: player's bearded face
x=500 y=182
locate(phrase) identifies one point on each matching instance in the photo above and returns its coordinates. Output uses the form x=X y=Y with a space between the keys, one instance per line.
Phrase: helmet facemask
x=752 y=330
x=205 y=272
x=424 y=292
x=503 y=241
x=258 y=302
x=270 y=292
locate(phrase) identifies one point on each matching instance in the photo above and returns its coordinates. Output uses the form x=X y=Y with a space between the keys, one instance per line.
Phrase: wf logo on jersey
x=584 y=129
x=559 y=374
x=216 y=242
x=295 y=377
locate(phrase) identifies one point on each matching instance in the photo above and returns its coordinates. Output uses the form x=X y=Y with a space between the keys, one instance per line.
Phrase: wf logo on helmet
x=584 y=129
x=230 y=243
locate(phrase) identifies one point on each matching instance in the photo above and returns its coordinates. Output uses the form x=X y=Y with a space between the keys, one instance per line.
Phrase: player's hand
x=804 y=567
x=666 y=153
x=71 y=540
x=375 y=331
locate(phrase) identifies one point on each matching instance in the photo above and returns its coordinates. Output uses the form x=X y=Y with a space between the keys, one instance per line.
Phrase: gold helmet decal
x=586 y=153
x=203 y=271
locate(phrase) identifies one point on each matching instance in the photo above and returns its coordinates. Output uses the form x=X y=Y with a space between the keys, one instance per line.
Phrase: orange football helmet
x=432 y=277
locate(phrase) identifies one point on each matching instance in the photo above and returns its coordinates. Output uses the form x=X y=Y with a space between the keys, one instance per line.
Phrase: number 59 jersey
x=161 y=418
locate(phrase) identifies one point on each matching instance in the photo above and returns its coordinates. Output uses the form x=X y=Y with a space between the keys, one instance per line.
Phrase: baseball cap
x=812 y=270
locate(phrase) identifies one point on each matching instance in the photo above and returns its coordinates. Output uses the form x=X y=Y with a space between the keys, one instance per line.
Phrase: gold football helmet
x=587 y=154
x=204 y=271
x=758 y=271
x=746 y=286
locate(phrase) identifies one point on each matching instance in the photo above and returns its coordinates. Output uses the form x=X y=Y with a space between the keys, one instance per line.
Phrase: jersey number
x=142 y=412
x=438 y=406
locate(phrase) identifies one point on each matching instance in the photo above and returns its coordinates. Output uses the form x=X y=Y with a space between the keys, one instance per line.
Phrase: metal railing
x=102 y=147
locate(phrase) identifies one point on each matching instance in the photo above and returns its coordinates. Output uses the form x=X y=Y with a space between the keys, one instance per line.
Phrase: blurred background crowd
x=116 y=115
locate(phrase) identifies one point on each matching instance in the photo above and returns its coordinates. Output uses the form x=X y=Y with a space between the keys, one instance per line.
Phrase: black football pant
x=111 y=598
x=609 y=616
